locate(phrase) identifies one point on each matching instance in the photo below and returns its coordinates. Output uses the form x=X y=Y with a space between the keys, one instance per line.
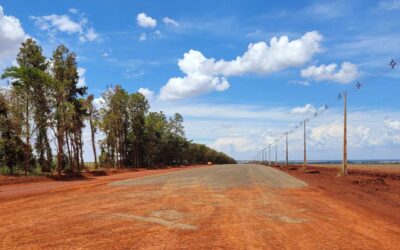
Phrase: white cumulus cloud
x=306 y=109
x=232 y=144
x=390 y=124
x=82 y=77
x=146 y=21
x=326 y=135
x=147 y=93
x=203 y=74
x=63 y=23
x=11 y=36
x=198 y=78
x=99 y=102
x=331 y=136
x=170 y=22
x=90 y=35
x=345 y=74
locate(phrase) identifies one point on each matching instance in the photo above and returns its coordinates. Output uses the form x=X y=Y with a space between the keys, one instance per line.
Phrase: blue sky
x=241 y=73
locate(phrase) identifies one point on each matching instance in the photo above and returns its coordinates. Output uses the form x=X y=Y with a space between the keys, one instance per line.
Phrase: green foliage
x=11 y=146
x=45 y=98
x=31 y=87
x=70 y=111
x=93 y=116
x=135 y=137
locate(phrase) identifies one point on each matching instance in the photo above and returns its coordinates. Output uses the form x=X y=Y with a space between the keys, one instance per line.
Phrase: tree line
x=44 y=110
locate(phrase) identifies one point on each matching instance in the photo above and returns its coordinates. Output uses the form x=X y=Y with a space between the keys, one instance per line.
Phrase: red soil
x=374 y=190
x=16 y=187
x=355 y=212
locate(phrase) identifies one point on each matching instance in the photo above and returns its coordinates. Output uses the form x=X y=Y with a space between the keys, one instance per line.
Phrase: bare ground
x=205 y=210
x=372 y=188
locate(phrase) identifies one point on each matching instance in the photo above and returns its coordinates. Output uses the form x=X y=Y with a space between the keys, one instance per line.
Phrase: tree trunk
x=60 y=153
x=27 y=127
x=75 y=154
x=10 y=167
x=92 y=130
x=82 y=166
x=137 y=154
x=68 y=149
x=49 y=156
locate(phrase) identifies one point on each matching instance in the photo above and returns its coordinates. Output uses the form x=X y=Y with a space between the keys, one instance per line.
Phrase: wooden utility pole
x=262 y=156
x=265 y=155
x=287 y=150
x=305 y=145
x=344 y=167
x=269 y=155
x=276 y=153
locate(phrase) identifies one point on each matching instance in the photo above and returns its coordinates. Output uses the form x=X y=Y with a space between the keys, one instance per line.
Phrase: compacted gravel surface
x=220 y=177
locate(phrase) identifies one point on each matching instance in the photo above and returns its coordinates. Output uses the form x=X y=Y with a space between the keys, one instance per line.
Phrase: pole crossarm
x=359 y=84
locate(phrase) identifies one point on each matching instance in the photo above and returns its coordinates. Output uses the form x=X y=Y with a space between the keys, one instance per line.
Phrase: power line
x=361 y=83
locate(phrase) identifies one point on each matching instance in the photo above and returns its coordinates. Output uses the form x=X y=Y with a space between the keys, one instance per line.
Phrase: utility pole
x=269 y=155
x=276 y=153
x=287 y=150
x=262 y=156
x=265 y=155
x=305 y=145
x=344 y=167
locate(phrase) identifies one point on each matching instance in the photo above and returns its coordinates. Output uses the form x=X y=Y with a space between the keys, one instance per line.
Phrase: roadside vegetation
x=44 y=110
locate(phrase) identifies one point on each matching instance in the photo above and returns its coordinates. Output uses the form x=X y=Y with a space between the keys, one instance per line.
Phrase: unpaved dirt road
x=219 y=178
x=224 y=207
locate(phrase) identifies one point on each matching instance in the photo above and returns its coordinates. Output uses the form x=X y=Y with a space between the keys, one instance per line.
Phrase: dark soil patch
x=312 y=172
x=369 y=180
x=98 y=173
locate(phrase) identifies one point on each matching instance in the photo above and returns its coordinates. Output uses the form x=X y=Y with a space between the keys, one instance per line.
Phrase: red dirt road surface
x=224 y=207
